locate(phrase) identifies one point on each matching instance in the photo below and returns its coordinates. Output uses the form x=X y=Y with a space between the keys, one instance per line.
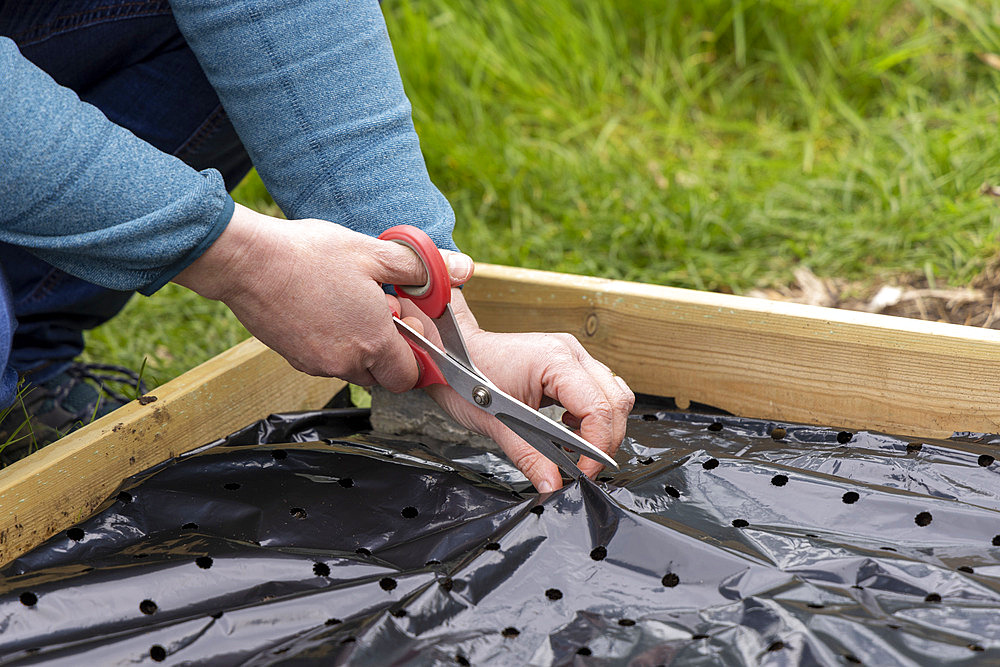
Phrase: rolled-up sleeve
x=313 y=90
x=91 y=198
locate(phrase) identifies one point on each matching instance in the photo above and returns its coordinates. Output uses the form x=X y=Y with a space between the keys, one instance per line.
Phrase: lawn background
x=715 y=145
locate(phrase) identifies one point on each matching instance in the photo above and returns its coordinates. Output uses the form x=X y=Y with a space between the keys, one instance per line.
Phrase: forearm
x=88 y=196
x=314 y=93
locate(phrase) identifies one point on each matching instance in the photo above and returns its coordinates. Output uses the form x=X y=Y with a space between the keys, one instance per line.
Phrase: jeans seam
x=91 y=17
x=203 y=132
x=44 y=287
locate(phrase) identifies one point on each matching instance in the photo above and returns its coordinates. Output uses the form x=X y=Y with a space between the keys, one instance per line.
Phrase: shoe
x=47 y=411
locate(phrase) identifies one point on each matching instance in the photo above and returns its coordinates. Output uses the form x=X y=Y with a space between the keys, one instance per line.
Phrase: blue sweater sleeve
x=91 y=198
x=313 y=90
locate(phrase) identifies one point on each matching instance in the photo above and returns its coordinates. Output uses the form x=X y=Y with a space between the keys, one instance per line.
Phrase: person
x=123 y=124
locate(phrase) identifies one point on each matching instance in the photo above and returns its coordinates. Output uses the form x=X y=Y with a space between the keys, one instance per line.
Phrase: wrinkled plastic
x=307 y=539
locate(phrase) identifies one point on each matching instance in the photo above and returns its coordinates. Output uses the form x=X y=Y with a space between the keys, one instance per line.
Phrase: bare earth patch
x=977 y=305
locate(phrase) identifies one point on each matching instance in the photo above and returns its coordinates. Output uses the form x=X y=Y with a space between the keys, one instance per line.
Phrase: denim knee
x=8 y=376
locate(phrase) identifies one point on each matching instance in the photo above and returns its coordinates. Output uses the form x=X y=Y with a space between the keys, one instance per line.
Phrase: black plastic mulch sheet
x=721 y=540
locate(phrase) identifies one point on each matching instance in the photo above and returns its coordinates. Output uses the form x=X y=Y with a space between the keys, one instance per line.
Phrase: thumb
x=460 y=266
x=397 y=264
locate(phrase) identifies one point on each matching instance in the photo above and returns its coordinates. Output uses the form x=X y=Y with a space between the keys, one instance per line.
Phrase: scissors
x=453 y=367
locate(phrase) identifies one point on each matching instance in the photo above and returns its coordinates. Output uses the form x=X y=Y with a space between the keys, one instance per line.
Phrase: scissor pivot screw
x=481 y=395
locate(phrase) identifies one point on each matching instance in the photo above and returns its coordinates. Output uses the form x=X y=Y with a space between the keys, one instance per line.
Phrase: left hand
x=535 y=367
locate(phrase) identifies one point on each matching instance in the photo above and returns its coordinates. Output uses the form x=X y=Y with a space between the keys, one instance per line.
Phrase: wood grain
x=64 y=482
x=759 y=358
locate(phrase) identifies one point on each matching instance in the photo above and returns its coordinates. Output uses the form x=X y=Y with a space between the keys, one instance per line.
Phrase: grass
x=714 y=145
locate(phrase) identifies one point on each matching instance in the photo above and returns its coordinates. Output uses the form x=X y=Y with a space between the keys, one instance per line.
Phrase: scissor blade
x=470 y=386
x=545 y=445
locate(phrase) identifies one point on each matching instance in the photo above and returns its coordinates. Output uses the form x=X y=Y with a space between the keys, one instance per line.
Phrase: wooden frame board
x=760 y=358
x=752 y=357
x=63 y=483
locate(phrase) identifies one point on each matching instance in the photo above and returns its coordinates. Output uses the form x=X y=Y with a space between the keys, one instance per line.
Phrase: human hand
x=535 y=368
x=311 y=291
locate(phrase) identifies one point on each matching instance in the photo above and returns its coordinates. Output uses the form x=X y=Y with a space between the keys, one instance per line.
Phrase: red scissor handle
x=432 y=297
x=435 y=294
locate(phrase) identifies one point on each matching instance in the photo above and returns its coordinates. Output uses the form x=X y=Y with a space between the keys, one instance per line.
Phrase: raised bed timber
x=752 y=357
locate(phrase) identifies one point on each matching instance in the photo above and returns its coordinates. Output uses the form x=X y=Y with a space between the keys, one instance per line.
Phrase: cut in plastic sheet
x=308 y=539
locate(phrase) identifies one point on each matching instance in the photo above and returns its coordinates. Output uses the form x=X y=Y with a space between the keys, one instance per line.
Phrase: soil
x=909 y=296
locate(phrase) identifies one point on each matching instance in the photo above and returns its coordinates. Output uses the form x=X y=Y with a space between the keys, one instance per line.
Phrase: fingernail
x=545 y=486
x=459 y=266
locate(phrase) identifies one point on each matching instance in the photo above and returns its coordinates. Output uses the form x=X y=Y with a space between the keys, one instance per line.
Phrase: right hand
x=311 y=291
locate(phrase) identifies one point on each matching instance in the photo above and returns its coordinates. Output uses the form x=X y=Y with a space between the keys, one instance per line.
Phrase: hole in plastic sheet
x=409 y=512
x=492 y=546
x=887 y=549
x=923 y=519
x=671 y=491
x=699 y=636
x=447 y=583
x=148 y=607
x=710 y=464
x=850 y=497
x=740 y=523
x=776 y=646
x=815 y=605
x=626 y=622
x=348 y=640
x=914 y=446
x=387 y=583
x=298 y=513
x=986 y=460
x=432 y=562
x=398 y=613
x=996 y=540
x=462 y=660
x=190 y=525
x=510 y=632
x=779 y=480
x=279 y=454
x=140 y=555
x=932 y=597
x=715 y=426
x=125 y=497
x=537 y=510
x=333 y=621
x=553 y=594
x=204 y=562
x=28 y=599
x=599 y=553
x=157 y=653
x=844 y=437
x=361 y=551
x=487 y=475
x=670 y=580
x=583 y=650
x=650 y=418
x=966 y=569
x=231 y=486
x=321 y=569
x=778 y=433
x=976 y=647
x=647 y=461
x=76 y=533
x=346 y=482
x=216 y=615
x=850 y=657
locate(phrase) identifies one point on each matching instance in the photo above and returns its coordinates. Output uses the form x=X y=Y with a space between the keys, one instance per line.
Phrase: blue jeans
x=128 y=59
